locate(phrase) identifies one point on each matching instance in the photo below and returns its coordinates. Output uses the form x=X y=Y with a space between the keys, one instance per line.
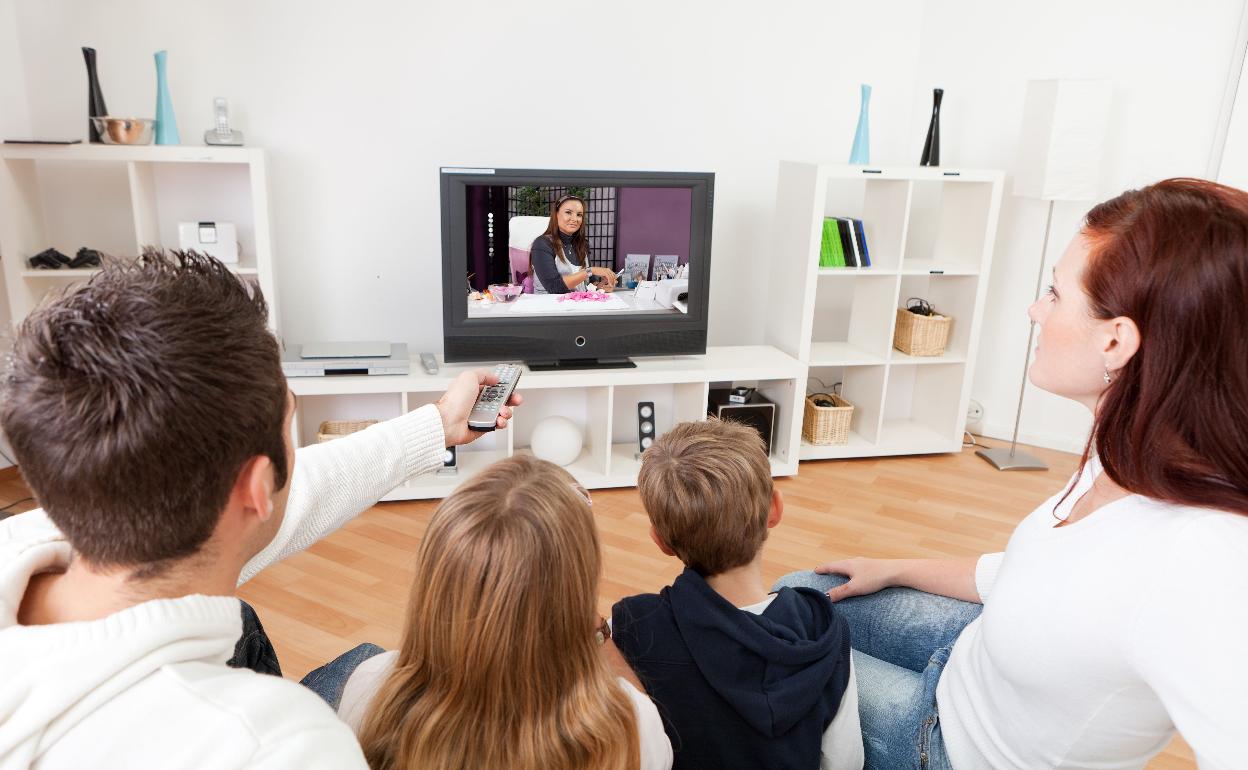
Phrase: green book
x=831 y=253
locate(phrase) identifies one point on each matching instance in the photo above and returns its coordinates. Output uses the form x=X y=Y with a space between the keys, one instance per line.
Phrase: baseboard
x=1060 y=442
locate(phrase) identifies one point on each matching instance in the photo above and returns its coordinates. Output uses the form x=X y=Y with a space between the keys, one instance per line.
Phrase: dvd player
x=364 y=360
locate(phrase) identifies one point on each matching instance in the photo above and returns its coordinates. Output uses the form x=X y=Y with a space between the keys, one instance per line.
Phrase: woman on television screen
x=559 y=257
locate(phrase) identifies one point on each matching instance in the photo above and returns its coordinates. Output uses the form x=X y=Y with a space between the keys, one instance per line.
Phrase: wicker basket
x=921 y=335
x=826 y=425
x=332 y=429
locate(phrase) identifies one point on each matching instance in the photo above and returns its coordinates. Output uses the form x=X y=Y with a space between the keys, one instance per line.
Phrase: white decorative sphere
x=558 y=440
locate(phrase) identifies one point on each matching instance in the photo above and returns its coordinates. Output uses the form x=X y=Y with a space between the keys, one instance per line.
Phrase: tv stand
x=603 y=402
x=569 y=364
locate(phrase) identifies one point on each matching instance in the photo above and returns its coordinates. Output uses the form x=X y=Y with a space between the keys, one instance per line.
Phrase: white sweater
x=1099 y=638
x=148 y=686
x=366 y=680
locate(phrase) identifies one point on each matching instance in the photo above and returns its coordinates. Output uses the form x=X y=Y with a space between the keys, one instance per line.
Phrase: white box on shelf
x=216 y=239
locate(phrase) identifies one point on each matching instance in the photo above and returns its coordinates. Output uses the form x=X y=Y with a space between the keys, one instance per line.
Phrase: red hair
x=1173 y=425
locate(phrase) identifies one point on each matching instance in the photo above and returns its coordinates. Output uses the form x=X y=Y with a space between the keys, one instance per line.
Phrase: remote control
x=430 y=363
x=484 y=415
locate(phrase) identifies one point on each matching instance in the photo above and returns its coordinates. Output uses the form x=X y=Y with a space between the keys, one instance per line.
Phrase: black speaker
x=645 y=425
x=746 y=406
x=448 y=463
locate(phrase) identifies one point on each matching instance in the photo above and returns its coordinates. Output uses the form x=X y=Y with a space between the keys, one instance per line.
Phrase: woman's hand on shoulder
x=866 y=576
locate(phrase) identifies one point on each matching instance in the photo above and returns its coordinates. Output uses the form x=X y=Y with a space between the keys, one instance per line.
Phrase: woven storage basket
x=921 y=335
x=825 y=425
x=332 y=429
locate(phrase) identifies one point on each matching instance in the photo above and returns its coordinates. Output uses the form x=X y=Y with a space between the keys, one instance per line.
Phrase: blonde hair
x=707 y=489
x=498 y=666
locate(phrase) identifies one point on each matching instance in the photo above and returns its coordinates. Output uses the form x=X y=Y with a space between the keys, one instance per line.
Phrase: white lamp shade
x=1063 y=139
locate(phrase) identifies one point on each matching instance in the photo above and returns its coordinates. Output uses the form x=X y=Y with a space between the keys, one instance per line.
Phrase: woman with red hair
x=1118 y=612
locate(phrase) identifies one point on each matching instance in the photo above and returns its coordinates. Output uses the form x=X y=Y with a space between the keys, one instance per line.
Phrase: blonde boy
x=743 y=678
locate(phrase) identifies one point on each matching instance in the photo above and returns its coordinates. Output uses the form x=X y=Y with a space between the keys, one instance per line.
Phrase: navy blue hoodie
x=735 y=689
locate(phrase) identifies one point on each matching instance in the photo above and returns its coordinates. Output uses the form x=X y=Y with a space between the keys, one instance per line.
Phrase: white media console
x=602 y=401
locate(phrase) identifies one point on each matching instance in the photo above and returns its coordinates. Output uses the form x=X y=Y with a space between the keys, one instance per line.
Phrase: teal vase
x=861 y=151
x=166 y=123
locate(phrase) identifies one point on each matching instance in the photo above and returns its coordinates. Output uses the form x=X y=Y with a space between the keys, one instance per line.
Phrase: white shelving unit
x=604 y=402
x=69 y=196
x=930 y=233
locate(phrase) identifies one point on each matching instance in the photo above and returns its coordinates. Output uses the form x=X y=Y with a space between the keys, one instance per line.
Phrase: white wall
x=14 y=122
x=1169 y=69
x=14 y=113
x=359 y=104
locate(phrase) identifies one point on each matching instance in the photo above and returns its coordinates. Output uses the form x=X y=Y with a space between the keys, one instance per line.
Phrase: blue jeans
x=901 y=640
x=329 y=680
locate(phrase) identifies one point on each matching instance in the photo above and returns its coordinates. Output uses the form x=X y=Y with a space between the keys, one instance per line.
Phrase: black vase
x=95 y=99
x=931 y=146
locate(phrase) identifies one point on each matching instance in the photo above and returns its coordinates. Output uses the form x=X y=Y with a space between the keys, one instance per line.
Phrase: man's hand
x=457 y=402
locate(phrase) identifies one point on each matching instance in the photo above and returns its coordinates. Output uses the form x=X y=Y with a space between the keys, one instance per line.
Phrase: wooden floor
x=351 y=587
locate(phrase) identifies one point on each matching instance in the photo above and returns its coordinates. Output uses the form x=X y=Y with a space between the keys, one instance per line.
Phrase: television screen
x=560 y=265
x=557 y=250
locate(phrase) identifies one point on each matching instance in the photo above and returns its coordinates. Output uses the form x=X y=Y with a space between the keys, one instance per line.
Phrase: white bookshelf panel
x=862 y=386
x=951 y=295
x=948 y=225
x=82 y=204
x=856 y=446
x=855 y=313
x=924 y=397
x=118 y=199
x=494 y=443
x=588 y=408
x=673 y=403
x=313 y=410
x=202 y=192
x=842 y=354
x=587 y=469
x=880 y=203
x=787 y=426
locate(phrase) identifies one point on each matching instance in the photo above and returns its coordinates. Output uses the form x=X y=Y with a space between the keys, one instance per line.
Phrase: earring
x=1108 y=379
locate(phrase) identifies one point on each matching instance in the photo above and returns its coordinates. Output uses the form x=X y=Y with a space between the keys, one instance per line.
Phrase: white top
x=842 y=740
x=366 y=680
x=1101 y=637
x=148 y=686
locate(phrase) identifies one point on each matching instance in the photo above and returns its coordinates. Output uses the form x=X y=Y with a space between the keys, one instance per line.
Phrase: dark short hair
x=706 y=487
x=133 y=402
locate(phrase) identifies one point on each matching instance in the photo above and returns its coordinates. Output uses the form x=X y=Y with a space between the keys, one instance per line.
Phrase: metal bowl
x=124 y=130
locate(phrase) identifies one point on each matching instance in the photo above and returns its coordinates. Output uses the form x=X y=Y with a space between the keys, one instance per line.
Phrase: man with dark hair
x=150 y=417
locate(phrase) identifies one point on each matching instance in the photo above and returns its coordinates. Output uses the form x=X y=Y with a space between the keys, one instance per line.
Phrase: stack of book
x=844 y=243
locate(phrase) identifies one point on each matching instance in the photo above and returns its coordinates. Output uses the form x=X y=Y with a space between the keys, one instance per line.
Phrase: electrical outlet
x=975 y=412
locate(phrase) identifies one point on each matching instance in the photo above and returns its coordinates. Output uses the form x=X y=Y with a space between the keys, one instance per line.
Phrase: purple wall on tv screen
x=652 y=220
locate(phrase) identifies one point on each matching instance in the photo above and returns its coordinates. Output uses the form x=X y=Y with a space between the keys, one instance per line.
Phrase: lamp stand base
x=1002 y=460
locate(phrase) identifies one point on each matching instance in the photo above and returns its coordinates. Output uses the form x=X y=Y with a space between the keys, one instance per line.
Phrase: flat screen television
x=571 y=269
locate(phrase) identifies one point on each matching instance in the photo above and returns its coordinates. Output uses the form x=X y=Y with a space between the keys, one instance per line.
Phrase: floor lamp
x=1059 y=159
